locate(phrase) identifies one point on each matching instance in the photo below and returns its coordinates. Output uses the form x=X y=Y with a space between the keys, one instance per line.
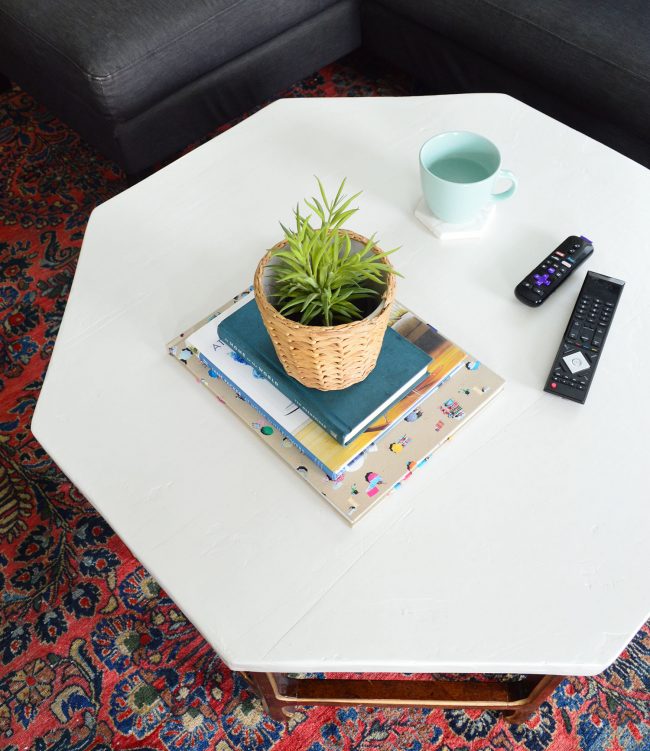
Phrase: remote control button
x=587 y=333
x=576 y=362
x=568 y=265
x=559 y=253
x=553 y=385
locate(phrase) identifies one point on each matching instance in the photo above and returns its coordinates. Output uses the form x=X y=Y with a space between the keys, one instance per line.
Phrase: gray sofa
x=584 y=62
x=141 y=80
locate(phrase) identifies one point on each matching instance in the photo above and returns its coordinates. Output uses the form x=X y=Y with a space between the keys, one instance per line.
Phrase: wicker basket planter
x=325 y=357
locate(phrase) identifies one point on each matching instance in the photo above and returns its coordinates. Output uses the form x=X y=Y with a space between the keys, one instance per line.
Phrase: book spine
x=285 y=388
x=332 y=475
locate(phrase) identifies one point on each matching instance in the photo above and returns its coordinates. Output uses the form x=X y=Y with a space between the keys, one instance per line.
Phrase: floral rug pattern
x=93 y=655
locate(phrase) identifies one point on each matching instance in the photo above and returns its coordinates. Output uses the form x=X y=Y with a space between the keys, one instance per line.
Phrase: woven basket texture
x=326 y=357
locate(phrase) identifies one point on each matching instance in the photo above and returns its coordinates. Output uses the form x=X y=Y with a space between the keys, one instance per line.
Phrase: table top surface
x=521 y=547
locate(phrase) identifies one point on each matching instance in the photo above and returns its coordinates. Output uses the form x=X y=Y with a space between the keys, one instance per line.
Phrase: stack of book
x=352 y=446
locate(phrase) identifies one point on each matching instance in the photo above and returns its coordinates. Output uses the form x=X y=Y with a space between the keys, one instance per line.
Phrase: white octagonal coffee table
x=521 y=548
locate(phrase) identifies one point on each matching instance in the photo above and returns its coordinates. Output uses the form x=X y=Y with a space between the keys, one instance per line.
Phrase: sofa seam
x=638 y=76
x=162 y=48
x=101 y=78
x=151 y=53
x=573 y=45
x=122 y=120
x=105 y=77
x=45 y=41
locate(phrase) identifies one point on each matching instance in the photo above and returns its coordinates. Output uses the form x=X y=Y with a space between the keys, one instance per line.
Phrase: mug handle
x=509 y=191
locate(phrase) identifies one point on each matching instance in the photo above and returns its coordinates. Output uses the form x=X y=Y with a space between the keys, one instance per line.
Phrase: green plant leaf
x=316 y=208
x=308 y=300
x=324 y=196
x=315 y=274
x=340 y=220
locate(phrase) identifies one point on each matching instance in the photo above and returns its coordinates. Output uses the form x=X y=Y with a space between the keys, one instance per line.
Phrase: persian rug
x=93 y=654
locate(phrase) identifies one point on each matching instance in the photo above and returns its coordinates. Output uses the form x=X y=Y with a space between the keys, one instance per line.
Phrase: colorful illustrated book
x=401 y=365
x=383 y=466
x=285 y=416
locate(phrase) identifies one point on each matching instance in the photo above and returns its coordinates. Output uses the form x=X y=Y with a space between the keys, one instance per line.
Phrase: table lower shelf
x=281 y=693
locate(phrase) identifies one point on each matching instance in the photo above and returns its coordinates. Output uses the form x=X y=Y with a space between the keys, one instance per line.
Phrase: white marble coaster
x=446 y=231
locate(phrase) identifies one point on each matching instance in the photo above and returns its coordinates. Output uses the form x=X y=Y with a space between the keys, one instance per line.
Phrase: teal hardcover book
x=344 y=413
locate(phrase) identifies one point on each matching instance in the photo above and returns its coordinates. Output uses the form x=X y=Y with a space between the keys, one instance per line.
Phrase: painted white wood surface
x=522 y=546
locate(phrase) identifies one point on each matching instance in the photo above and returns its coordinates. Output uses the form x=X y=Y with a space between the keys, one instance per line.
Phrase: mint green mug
x=458 y=171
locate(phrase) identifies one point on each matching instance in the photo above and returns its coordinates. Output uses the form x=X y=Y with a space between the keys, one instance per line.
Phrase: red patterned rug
x=93 y=655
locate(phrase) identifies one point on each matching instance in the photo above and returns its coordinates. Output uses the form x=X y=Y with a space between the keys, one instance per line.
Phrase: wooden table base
x=281 y=694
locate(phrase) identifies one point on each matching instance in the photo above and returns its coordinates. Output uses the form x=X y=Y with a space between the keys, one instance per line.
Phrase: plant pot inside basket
x=326 y=357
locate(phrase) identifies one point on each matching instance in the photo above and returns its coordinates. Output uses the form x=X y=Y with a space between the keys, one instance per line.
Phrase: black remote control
x=582 y=344
x=553 y=270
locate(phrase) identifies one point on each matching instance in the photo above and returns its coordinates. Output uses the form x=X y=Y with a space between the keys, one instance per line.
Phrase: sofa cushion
x=127 y=55
x=594 y=53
